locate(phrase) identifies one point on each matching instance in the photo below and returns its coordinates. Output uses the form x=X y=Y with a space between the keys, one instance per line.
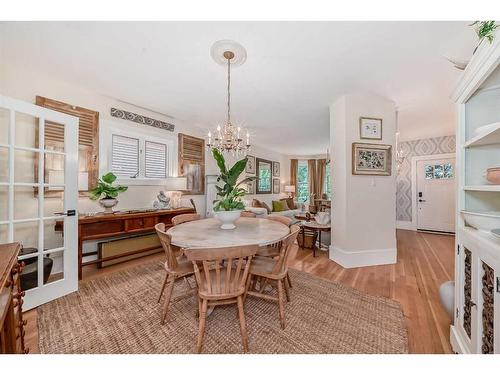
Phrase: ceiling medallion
x=228 y=137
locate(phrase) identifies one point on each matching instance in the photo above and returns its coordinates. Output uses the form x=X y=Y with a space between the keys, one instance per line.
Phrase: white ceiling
x=294 y=70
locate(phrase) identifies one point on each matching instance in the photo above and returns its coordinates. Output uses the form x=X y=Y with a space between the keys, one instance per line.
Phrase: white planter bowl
x=227 y=218
x=108 y=204
x=486 y=220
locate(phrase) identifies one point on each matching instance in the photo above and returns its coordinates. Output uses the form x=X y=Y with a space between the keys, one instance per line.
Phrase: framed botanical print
x=276 y=185
x=251 y=187
x=250 y=168
x=371 y=159
x=276 y=169
x=370 y=128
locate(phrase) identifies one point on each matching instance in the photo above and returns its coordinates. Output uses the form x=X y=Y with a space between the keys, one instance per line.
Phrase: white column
x=363 y=207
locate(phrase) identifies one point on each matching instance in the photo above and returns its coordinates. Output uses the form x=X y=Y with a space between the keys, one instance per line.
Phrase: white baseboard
x=457 y=343
x=407 y=225
x=363 y=258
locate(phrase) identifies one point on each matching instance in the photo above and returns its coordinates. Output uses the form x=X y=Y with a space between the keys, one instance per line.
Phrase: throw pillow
x=290 y=203
x=279 y=206
x=266 y=207
x=256 y=203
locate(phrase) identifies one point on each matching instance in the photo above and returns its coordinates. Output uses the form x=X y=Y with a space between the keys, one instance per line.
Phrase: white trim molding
x=458 y=342
x=406 y=225
x=485 y=60
x=363 y=258
x=414 y=161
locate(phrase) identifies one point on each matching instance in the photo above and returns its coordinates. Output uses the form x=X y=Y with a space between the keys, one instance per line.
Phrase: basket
x=307 y=238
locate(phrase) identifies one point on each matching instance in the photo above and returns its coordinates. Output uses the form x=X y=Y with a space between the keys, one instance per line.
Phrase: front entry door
x=436 y=195
x=38 y=196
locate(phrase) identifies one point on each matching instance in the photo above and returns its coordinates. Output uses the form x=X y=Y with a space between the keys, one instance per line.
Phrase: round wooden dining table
x=207 y=233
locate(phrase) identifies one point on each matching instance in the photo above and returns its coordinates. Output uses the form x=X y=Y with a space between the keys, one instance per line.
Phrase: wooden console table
x=120 y=223
x=11 y=300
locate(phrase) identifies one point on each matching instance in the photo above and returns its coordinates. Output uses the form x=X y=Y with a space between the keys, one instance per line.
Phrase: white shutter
x=156 y=160
x=125 y=156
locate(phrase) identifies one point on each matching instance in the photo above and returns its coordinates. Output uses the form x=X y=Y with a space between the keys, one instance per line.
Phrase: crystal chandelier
x=400 y=155
x=228 y=137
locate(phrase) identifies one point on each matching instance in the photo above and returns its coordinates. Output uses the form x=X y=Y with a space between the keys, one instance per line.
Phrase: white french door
x=436 y=194
x=39 y=197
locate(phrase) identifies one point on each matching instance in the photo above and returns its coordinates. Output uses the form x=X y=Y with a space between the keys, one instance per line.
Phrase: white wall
x=364 y=212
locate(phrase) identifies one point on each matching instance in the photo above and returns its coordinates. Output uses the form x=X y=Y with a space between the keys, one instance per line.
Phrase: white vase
x=108 y=204
x=322 y=218
x=227 y=218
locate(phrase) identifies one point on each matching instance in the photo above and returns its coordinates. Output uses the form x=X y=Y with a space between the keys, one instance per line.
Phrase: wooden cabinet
x=11 y=300
x=105 y=226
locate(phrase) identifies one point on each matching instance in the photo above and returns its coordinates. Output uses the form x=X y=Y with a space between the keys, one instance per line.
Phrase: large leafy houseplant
x=485 y=29
x=105 y=188
x=229 y=195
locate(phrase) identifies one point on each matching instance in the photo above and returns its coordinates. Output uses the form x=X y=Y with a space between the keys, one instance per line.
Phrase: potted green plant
x=484 y=30
x=228 y=205
x=106 y=192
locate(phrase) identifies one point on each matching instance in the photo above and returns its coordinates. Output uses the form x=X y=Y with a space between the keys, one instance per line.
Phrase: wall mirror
x=264 y=176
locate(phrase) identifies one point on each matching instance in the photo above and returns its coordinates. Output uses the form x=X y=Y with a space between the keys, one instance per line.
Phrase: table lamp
x=175 y=185
x=290 y=189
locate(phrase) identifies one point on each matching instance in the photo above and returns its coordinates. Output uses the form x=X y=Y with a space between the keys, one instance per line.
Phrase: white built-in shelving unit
x=476 y=327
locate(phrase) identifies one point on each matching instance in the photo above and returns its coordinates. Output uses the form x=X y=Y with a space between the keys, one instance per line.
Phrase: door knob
x=422 y=200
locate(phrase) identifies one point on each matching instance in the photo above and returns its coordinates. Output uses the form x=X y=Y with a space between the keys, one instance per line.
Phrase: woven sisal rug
x=119 y=314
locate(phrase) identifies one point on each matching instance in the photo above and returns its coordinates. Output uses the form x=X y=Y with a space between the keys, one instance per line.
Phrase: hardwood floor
x=425 y=261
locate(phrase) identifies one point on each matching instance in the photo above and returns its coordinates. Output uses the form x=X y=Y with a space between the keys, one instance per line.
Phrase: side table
x=319 y=228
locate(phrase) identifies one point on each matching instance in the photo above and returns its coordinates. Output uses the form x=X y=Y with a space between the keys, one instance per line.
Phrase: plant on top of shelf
x=228 y=205
x=485 y=30
x=106 y=192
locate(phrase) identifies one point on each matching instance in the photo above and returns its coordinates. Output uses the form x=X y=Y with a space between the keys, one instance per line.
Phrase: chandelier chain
x=227 y=137
x=229 y=91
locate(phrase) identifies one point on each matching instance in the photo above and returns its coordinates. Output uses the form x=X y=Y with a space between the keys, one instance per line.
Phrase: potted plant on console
x=228 y=205
x=106 y=192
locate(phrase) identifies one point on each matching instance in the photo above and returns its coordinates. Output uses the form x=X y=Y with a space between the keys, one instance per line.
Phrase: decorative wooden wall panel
x=467 y=291
x=487 y=346
x=192 y=163
x=88 y=141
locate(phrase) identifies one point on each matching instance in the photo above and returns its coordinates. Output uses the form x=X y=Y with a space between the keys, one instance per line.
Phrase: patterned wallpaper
x=428 y=146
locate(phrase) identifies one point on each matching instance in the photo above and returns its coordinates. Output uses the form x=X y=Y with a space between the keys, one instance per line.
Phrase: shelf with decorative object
x=489 y=136
x=482 y=188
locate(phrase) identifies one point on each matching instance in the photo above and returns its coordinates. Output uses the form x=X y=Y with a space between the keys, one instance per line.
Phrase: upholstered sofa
x=262 y=212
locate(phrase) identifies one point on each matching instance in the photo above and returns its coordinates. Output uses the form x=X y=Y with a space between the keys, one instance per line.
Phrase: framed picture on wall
x=250 y=168
x=276 y=185
x=370 y=128
x=371 y=159
x=276 y=169
x=251 y=187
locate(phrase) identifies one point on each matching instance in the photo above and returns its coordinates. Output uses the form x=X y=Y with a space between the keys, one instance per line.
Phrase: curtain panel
x=311 y=163
x=321 y=174
x=294 y=164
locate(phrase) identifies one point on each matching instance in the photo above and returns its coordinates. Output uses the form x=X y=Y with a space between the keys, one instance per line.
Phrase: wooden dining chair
x=273 y=250
x=248 y=214
x=176 y=269
x=221 y=275
x=280 y=219
x=184 y=218
x=273 y=270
